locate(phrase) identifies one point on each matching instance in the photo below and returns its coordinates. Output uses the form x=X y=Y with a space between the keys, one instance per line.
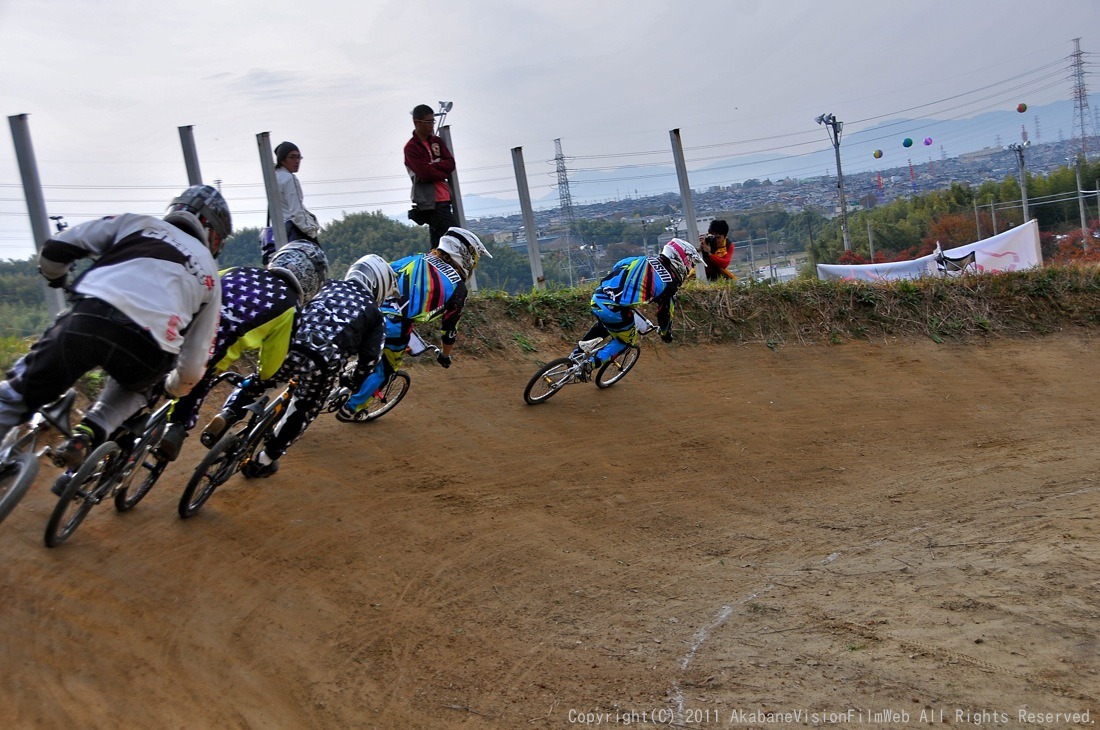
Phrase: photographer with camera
x=716 y=250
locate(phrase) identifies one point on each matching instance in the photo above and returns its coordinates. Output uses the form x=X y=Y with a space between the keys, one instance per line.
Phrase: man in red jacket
x=717 y=251
x=429 y=163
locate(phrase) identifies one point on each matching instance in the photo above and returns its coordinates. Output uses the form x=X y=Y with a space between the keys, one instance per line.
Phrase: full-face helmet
x=305 y=263
x=464 y=249
x=206 y=204
x=375 y=275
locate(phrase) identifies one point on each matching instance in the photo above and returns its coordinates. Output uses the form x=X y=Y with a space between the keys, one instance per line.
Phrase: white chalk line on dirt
x=704 y=633
x=697 y=641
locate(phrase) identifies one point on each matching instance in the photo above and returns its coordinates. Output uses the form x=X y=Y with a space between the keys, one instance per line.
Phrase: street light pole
x=836 y=129
x=1019 y=150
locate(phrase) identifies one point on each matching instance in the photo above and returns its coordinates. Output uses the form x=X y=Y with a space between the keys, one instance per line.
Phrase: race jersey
x=342 y=321
x=428 y=289
x=161 y=277
x=258 y=312
x=639 y=280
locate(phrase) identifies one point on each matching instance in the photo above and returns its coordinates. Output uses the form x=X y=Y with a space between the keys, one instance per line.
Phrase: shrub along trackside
x=966 y=308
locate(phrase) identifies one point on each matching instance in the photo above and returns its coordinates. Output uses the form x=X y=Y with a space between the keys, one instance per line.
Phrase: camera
x=711 y=239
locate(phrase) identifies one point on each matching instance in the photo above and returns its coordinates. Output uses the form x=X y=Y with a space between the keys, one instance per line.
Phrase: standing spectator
x=146 y=308
x=716 y=250
x=301 y=225
x=429 y=163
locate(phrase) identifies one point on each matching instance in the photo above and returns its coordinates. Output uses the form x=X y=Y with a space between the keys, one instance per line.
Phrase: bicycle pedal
x=62 y=482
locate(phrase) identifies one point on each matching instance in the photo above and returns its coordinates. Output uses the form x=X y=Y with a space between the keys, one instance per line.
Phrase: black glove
x=58 y=283
x=666 y=336
x=444 y=360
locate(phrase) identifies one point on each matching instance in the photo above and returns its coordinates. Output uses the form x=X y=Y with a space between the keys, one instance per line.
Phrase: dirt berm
x=823 y=506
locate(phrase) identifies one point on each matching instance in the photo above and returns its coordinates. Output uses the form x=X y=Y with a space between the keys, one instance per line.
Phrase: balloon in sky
x=878 y=154
x=927 y=141
x=907 y=142
x=1021 y=108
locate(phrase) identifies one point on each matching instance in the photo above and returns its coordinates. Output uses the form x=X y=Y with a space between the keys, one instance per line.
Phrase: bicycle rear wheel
x=216 y=467
x=552 y=377
x=384 y=400
x=17 y=474
x=617 y=367
x=84 y=490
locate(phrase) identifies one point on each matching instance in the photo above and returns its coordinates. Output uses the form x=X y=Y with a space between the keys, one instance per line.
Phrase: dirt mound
x=842 y=532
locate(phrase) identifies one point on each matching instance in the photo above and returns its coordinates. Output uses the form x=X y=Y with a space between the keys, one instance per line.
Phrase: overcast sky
x=108 y=83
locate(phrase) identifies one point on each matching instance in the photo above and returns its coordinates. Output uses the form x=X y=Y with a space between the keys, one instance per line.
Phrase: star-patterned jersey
x=258 y=312
x=340 y=322
x=428 y=289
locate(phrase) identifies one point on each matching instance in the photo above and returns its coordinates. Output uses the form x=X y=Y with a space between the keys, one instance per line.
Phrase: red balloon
x=1021 y=108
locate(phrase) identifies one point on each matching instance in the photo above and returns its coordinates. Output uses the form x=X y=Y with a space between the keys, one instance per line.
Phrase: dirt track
x=866 y=528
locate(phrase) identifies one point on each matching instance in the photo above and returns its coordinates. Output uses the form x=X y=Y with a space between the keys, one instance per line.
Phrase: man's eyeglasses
x=425 y=121
x=294 y=157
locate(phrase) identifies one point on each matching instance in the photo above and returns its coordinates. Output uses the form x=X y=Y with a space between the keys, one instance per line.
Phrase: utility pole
x=836 y=129
x=1019 y=150
x=1081 y=204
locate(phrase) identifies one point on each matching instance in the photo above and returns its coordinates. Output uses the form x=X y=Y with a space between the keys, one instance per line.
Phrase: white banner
x=1014 y=250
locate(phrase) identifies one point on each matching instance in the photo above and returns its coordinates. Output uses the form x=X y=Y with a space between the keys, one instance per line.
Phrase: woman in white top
x=301 y=225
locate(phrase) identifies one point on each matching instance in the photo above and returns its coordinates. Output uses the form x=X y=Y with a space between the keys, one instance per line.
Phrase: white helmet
x=464 y=248
x=682 y=257
x=375 y=275
x=303 y=262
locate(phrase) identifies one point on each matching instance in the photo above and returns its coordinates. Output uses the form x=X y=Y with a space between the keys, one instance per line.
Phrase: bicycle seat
x=57 y=413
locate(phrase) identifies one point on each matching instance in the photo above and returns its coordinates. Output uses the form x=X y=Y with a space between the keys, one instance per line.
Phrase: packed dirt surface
x=877 y=534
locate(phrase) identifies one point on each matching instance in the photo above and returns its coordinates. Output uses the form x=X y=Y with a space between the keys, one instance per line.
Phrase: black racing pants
x=90 y=334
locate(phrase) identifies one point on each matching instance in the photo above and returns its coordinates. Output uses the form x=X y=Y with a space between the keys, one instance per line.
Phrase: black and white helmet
x=209 y=207
x=305 y=264
x=375 y=275
x=464 y=249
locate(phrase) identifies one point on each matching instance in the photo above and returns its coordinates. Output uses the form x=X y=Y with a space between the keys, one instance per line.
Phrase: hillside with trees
x=901 y=229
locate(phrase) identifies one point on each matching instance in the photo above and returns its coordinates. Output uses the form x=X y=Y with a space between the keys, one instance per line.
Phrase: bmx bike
x=388 y=395
x=556 y=374
x=20 y=452
x=238 y=446
x=110 y=472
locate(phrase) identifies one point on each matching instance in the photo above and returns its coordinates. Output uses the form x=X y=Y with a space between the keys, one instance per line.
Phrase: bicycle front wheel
x=17 y=473
x=216 y=467
x=617 y=367
x=84 y=490
x=140 y=461
x=128 y=497
x=552 y=377
x=384 y=400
